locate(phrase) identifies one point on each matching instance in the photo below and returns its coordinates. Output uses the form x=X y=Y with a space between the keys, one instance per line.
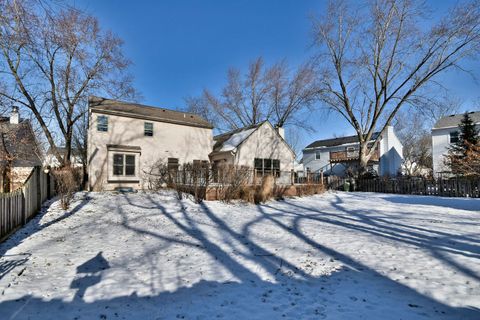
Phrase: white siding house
x=126 y=139
x=335 y=156
x=444 y=132
x=260 y=146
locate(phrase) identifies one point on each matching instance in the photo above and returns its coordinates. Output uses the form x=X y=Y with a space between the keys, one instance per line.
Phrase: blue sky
x=180 y=47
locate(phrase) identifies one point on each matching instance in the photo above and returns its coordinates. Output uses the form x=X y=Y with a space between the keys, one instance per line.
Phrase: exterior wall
x=168 y=141
x=391 y=154
x=391 y=157
x=265 y=143
x=440 y=144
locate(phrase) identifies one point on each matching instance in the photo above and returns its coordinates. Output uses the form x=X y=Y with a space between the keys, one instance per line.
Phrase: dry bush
x=67 y=181
x=189 y=178
x=265 y=191
x=232 y=181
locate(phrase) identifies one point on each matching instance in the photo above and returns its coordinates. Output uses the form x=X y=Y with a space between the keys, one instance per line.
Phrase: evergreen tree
x=468 y=141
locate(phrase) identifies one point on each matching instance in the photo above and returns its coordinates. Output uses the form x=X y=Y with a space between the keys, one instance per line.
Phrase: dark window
x=172 y=163
x=276 y=167
x=258 y=164
x=129 y=165
x=148 y=129
x=454 y=136
x=317 y=155
x=102 y=123
x=267 y=166
x=118 y=164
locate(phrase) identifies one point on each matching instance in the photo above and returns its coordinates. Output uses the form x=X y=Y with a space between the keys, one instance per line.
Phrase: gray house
x=335 y=156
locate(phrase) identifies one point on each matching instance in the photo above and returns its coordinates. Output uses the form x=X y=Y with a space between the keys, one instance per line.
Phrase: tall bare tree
x=274 y=93
x=51 y=60
x=378 y=56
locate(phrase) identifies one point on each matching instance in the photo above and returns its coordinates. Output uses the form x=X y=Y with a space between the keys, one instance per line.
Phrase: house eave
x=151 y=118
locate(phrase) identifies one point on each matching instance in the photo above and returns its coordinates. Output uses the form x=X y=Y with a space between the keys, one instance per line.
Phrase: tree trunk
x=363 y=158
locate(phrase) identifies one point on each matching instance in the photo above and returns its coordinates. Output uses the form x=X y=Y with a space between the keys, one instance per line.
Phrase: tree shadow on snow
x=353 y=291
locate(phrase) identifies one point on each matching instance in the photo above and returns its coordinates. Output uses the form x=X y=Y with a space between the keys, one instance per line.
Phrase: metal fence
x=19 y=206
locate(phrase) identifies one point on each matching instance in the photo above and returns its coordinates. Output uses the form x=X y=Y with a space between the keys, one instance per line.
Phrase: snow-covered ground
x=331 y=256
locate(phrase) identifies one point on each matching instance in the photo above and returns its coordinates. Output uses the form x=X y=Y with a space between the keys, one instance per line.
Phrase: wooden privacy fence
x=454 y=187
x=19 y=206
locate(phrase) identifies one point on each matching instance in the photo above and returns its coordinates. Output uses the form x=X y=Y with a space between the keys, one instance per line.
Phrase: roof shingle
x=128 y=109
x=455 y=119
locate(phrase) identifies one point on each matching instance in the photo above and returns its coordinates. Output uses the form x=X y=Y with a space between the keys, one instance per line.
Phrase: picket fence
x=19 y=206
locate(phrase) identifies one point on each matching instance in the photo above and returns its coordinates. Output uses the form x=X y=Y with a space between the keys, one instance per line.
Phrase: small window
x=123 y=164
x=317 y=155
x=102 y=123
x=148 y=129
x=454 y=136
x=172 y=164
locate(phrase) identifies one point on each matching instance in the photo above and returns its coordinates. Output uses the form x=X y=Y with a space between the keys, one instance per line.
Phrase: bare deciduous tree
x=413 y=125
x=379 y=57
x=273 y=93
x=50 y=61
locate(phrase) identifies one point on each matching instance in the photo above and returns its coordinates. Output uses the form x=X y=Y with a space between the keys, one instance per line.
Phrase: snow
x=335 y=256
x=236 y=138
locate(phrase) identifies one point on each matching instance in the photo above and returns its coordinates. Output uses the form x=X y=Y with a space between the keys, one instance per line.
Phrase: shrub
x=67 y=181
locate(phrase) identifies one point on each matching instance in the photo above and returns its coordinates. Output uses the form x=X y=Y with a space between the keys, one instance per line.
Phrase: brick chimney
x=14 y=116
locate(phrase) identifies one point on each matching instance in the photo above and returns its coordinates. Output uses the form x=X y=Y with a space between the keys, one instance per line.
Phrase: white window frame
x=123 y=178
x=317 y=155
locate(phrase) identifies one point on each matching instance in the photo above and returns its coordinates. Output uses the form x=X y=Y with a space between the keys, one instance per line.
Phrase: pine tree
x=467 y=143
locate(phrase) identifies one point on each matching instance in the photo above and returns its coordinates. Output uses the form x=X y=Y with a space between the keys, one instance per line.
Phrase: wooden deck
x=350 y=156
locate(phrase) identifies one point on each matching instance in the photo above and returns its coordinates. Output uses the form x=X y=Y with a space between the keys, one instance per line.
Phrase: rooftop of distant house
x=454 y=120
x=337 y=141
x=136 y=110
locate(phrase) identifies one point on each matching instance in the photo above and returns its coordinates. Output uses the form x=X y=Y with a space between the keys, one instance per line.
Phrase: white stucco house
x=125 y=139
x=444 y=132
x=335 y=156
x=259 y=146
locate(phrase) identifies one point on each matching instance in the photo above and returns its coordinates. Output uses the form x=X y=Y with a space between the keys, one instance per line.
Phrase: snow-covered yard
x=332 y=256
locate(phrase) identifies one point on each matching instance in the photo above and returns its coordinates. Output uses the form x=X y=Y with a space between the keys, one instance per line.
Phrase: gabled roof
x=135 y=110
x=455 y=119
x=229 y=141
x=17 y=141
x=337 y=141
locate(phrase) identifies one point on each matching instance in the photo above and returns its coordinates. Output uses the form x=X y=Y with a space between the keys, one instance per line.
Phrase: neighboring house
x=19 y=151
x=335 y=156
x=126 y=139
x=444 y=132
x=259 y=146
x=52 y=161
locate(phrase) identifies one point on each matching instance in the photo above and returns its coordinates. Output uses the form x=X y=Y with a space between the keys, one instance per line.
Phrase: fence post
x=39 y=188
x=48 y=186
x=24 y=209
x=292 y=177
